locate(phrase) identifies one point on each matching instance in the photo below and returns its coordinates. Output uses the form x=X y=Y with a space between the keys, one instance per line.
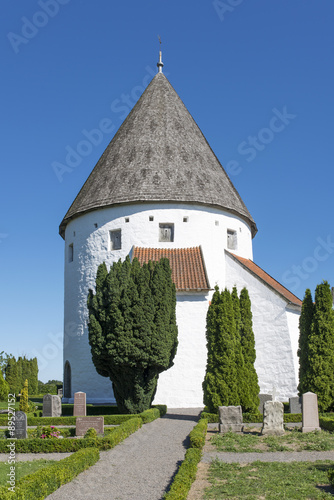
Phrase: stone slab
x=84 y=423
x=79 y=408
x=273 y=418
x=295 y=405
x=231 y=427
x=263 y=399
x=20 y=431
x=47 y=405
x=310 y=412
x=230 y=414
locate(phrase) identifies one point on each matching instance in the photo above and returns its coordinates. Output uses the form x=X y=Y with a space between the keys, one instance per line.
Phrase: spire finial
x=160 y=63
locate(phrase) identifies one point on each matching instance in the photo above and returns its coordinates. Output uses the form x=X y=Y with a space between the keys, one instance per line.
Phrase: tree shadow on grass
x=325 y=488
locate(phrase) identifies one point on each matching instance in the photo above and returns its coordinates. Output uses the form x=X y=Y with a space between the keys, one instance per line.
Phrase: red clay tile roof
x=260 y=273
x=187 y=264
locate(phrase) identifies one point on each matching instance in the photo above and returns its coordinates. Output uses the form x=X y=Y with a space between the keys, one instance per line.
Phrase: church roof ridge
x=159 y=154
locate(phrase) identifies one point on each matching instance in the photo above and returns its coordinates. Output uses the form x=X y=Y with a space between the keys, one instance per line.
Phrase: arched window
x=67 y=380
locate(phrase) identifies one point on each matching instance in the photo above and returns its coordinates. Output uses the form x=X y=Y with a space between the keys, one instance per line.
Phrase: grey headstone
x=263 y=399
x=20 y=425
x=273 y=418
x=79 y=408
x=60 y=392
x=230 y=419
x=310 y=412
x=56 y=406
x=51 y=406
x=295 y=404
x=82 y=425
x=47 y=405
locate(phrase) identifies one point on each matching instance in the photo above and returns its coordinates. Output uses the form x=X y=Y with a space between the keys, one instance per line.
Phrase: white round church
x=158 y=190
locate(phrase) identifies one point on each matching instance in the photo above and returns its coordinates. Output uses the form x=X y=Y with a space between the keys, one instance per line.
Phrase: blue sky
x=258 y=78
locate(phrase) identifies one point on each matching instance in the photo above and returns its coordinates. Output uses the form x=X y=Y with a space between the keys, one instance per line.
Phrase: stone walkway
x=141 y=467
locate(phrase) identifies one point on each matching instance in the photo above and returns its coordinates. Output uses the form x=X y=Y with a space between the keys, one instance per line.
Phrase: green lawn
x=292 y=440
x=262 y=480
x=21 y=469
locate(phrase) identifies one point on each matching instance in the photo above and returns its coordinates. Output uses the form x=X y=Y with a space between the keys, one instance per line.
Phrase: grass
x=292 y=440
x=261 y=480
x=21 y=469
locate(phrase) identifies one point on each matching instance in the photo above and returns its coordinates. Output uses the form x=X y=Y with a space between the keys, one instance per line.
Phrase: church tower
x=158 y=190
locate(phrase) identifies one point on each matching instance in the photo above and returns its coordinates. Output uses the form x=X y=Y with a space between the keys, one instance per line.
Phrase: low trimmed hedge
x=186 y=474
x=40 y=484
x=327 y=423
x=253 y=418
x=108 y=419
x=38 y=445
x=197 y=435
x=331 y=476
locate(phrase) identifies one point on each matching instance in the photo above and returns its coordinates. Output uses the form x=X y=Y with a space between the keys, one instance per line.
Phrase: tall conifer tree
x=305 y=322
x=132 y=329
x=243 y=381
x=251 y=399
x=220 y=384
x=320 y=370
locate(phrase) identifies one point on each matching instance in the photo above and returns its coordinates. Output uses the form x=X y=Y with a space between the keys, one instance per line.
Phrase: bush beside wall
x=43 y=482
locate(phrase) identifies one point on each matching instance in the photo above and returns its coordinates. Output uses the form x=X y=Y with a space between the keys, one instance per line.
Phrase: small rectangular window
x=115 y=240
x=151 y=218
x=166 y=232
x=216 y=222
x=70 y=252
x=127 y=219
x=231 y=239
x=185 y=219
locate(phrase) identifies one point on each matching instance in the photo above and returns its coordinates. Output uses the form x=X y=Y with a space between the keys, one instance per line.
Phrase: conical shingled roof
x=159 y=154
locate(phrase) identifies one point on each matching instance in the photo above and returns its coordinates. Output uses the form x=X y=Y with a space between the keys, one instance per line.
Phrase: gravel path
x=279 y=456
x=141 y=467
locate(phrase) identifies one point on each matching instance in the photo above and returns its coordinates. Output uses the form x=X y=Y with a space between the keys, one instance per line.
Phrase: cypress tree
x=132 y=329
x=305 y=322
x=319 y=377
x=243 y=387
x=251 y=399
x=11 y=376
x=220 y=383
x=24 y=405
x=4 y=388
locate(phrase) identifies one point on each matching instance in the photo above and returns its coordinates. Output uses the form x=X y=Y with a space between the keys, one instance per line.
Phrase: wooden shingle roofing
x=187 y=265
x=262 y=275
x=159 y=154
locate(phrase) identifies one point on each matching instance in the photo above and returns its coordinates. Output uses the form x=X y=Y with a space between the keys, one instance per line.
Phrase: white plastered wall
x=274 y=331
x=89 y=235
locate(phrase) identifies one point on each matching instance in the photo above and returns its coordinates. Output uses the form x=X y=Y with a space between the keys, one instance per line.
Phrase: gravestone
x=47 y=405
x=60 y=392
x=230 y=419
x=82 y=425
x=295 y=404
x=310 y=412
x=56 y=406
x=51 y=406
x=79 y=408
x=273 y=418
x=263 y=399
x=20 y=431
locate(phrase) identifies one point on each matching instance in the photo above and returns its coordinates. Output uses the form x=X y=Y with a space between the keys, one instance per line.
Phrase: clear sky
x=258 y=78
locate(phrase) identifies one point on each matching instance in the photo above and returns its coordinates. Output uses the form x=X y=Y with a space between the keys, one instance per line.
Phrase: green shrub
x=162 y=409
x=197 y=435
x=149 y=415
x=43 y=482
x=38 y=445
x=292 y=417
x=331 y=476
x=327 y=423
x=67 y=410
x=185 y=476
x=91 y=433
x=212 y=418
